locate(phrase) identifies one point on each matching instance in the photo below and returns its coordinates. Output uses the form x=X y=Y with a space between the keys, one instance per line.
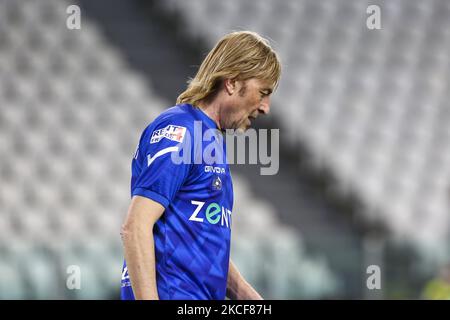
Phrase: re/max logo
x=213 y=214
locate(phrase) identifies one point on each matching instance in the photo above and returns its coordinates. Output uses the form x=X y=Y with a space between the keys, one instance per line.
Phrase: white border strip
x=160 y=153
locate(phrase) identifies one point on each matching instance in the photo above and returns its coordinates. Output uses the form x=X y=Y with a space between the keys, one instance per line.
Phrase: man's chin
x=243 y=129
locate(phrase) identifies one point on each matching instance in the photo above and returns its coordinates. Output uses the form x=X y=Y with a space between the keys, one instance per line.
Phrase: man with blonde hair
x=177 y=231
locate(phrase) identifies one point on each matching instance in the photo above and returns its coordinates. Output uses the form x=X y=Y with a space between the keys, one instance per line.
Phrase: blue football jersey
x=180 y=162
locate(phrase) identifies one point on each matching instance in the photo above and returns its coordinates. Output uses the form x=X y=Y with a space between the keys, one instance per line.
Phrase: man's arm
x=238 y=288
x=137 y=238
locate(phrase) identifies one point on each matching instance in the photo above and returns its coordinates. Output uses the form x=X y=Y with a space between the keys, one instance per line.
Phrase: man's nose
x=265 y=106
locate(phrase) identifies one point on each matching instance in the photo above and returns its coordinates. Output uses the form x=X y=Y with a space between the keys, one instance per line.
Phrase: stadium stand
x=371 y=106
x=71 y=114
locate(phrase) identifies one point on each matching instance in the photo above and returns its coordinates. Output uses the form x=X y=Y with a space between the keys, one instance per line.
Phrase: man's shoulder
x=172 y=124
x=177 y=115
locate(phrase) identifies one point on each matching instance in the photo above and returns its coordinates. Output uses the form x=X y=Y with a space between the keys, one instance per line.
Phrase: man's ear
x=230 y=86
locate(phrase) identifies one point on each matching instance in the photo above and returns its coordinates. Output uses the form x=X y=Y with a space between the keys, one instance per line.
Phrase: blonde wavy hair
x=240 y=55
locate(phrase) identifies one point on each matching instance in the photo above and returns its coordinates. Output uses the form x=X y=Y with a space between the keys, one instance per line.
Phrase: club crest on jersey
x=171 y=132
x=217 y=183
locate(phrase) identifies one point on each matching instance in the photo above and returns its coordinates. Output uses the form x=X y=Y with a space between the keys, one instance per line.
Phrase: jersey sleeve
x=161 y=177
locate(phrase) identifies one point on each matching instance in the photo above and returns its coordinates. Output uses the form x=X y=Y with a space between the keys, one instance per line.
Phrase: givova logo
x=214 y=213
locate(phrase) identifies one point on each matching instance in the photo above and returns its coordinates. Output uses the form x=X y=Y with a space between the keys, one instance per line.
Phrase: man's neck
x=212 y=110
